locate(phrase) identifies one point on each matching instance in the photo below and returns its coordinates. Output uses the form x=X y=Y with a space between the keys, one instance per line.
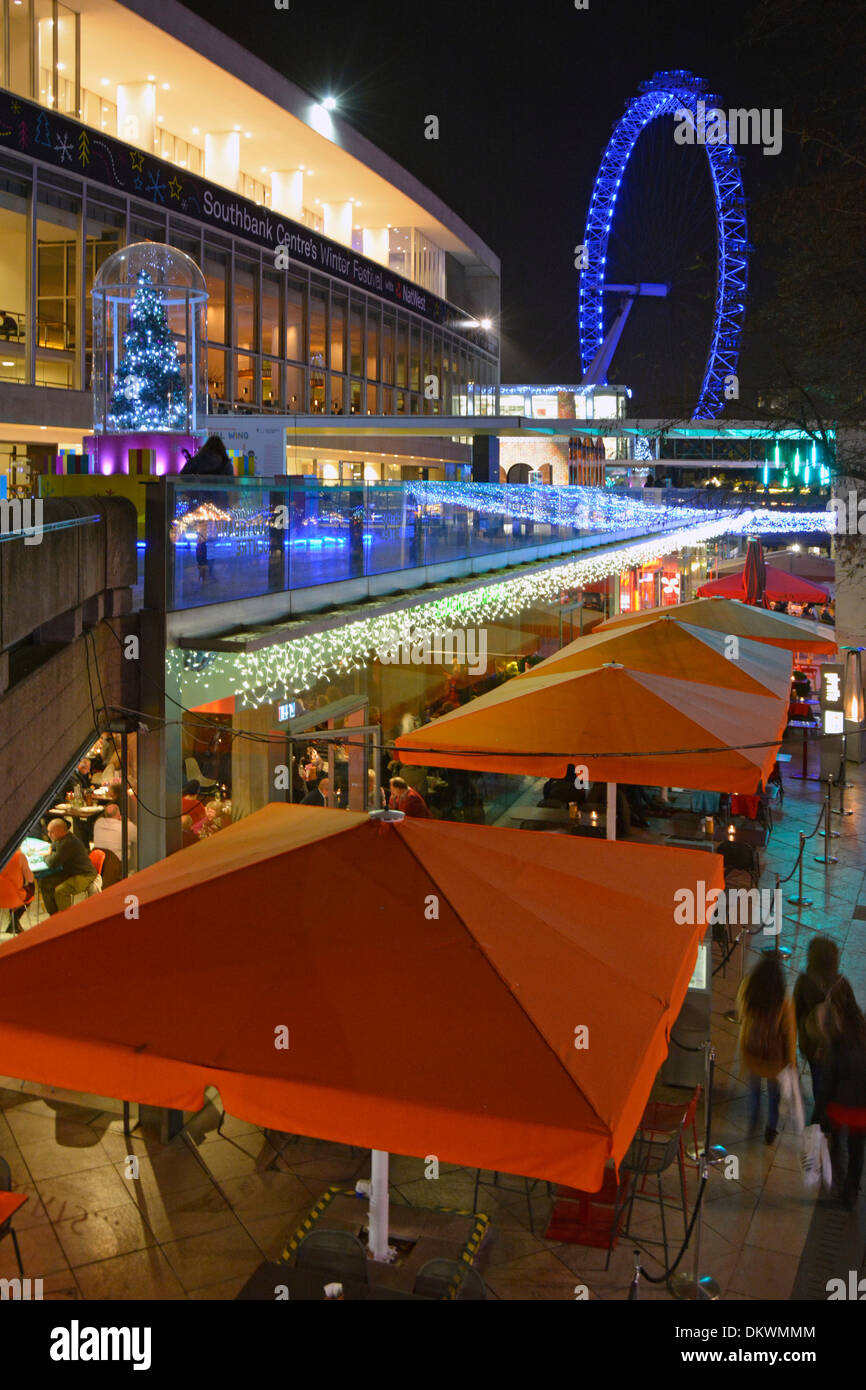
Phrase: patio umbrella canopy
x=728 y=616
x=779 y=587
x=623 y=725
x=432 y=978
x=672 y=648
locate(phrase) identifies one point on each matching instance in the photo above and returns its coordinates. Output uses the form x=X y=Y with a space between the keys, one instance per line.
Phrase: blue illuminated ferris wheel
x=611 y=281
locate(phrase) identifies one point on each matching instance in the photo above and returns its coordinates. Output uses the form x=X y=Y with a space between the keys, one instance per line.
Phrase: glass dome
x=149 y=329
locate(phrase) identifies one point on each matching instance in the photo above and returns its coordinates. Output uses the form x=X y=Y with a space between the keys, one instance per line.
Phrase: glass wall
x=14 y=202
x=297 y=343
x=332 y=531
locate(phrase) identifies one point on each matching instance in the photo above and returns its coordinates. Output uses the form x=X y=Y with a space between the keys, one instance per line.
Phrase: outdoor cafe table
x=755 y=835
x=81 y=814
x=308 y=1286
x=551 y=815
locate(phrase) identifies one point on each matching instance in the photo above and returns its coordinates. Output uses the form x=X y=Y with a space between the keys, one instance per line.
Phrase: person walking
x=811 y=1010
x=767 y=1037
x=843 y=1085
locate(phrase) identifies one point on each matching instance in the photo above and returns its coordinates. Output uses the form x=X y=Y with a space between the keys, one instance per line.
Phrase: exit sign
x=286 y=711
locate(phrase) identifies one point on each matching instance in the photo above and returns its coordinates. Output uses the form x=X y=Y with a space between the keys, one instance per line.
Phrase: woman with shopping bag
x=843 y=1092
x=811 y=1007
x=767 y=1037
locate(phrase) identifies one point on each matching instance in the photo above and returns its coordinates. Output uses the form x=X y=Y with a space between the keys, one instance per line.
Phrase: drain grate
x=834 y=1246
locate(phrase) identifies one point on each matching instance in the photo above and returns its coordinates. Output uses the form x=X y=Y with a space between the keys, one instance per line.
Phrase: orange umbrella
x=737 y=619
x=672 y=648
x=415 y=986
x=623 y=725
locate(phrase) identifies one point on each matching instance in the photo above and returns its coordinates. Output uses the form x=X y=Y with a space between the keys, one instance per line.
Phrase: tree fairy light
x=149 y=389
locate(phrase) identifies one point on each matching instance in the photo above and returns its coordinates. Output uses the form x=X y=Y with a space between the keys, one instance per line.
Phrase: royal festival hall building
x=378 y=290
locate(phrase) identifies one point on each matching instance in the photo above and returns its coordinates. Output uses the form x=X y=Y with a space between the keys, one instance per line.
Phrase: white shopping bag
x=815 y=1158
x=792 y=1100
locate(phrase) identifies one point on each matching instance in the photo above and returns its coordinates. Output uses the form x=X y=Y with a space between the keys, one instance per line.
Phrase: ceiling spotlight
x=166 y=86
x=330 y=103
x=195 y=130
x=486 y=323
x=106 y=81
x=151 y=77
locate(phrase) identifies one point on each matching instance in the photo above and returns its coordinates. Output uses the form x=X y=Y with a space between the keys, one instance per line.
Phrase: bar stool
x=647 y=1158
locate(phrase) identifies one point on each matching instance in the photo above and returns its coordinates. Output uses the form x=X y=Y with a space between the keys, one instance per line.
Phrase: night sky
x=526 y=97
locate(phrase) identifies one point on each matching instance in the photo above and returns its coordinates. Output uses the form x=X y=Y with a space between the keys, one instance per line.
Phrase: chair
x=661 y=1117
x=112 y=869
x=737 y=856
x=9 y=1204
x=765 y=813
x=97 y=859
x=337 y=1254
x=649 y=1158
x=448 y=1280
x=193 y=773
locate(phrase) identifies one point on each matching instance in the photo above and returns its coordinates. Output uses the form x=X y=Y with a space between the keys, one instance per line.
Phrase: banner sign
x=67 y=144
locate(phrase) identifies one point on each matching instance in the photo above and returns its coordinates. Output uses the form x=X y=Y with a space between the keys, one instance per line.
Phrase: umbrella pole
x=611 y=810
x=378 y=1218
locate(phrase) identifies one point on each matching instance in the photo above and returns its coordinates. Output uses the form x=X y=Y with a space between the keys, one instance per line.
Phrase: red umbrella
x=778 y=587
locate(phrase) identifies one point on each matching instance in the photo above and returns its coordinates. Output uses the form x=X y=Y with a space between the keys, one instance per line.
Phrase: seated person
x=801 y=685
x=81 y=776
x=188 y=835
x=108 y=833
x=17 y=889
x=406 y=799
x=318 y=793
x=563 y=788
x=70 y=869
x=191 y=805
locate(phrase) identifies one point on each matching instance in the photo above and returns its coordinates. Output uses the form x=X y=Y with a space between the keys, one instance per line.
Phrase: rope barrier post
x=695 y=1287
x=776 y=948
x=842 y=783
x=800 y=901
x=827 y=858
x=731 y=1014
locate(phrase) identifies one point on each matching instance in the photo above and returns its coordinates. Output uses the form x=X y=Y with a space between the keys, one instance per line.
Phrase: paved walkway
x=205 y=1211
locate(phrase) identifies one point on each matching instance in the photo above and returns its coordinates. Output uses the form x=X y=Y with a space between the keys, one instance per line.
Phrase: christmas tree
x=149 y=389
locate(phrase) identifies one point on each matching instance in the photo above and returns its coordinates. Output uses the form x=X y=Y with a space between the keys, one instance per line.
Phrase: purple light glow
x=111 y=451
